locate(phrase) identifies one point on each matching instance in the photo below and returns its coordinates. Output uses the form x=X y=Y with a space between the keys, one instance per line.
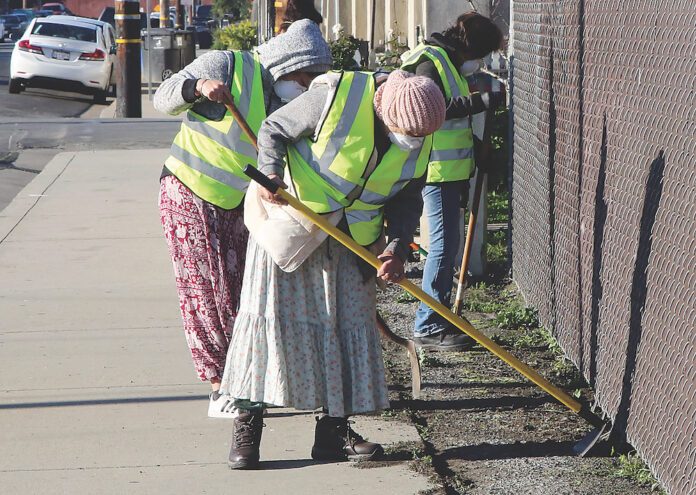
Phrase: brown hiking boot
x=246 y=441
x=335 y=440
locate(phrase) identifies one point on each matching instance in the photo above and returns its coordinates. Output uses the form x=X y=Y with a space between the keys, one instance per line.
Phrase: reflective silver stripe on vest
x=196 y=163
x=333 y=204
x=456 y=124
x=451 y=79
x=338 y=137
x=247 y=83
x=408 y=171
x=232 y=139
x=357 y=216
x=446 y=155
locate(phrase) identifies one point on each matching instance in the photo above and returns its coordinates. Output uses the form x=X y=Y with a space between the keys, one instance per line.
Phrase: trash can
x=186 y=41
x=167 y=51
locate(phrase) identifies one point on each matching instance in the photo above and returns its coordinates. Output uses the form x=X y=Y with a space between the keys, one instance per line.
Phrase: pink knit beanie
x=412 y=103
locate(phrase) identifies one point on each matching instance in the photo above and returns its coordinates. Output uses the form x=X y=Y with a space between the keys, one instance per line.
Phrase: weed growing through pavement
x=405 y=297
x=632 y=467
x=428 y=361
x=517 y=317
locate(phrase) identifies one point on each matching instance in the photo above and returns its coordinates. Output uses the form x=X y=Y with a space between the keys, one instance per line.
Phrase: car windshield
x=66 y=31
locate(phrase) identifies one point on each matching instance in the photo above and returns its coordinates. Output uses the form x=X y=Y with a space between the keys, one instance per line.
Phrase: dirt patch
x=485 y=428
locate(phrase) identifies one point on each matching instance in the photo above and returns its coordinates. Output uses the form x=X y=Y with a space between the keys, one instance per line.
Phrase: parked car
x=43 y=13
x=66 y=53
x=204 y=11
x=13 y=25
x=57 y=8
x=23 y=20
x=203 y=34
x=29 y=13
x=3 y=33
x=155 y=19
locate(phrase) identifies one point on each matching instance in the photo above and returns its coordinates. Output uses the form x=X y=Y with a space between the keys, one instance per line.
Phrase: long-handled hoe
x=580 y=408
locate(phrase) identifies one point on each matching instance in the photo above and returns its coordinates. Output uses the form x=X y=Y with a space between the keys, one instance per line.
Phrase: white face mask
x=288 y=90
x=469 y=67
x=405 y=142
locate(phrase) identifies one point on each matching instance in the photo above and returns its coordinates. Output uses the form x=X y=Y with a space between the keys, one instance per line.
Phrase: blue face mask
x=405 y=142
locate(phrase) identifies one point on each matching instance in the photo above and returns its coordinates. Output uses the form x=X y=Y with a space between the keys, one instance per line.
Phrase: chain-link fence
x=604 y=207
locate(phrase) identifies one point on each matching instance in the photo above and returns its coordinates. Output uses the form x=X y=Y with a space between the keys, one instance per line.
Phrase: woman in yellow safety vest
x=446 y=59
x=202 y=186
x=308 y=338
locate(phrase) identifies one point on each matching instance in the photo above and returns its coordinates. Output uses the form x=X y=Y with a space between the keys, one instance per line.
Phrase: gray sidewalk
x=97 y=390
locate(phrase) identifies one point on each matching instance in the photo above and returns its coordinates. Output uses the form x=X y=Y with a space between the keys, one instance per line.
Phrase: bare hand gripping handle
x=261 y=178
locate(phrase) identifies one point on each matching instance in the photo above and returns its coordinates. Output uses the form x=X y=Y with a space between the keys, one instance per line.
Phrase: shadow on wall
x=651 y=204
x=600 y=218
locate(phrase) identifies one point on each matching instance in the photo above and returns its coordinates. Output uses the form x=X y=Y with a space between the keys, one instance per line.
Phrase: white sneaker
x=221 y=406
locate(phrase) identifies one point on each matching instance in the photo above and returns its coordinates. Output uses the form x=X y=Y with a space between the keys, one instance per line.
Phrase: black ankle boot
x=334 y=440
x=246 y=441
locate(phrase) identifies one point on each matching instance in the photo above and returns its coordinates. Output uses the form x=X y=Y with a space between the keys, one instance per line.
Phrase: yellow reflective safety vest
x=337 y=168
x=452 y=156
x=208 y=156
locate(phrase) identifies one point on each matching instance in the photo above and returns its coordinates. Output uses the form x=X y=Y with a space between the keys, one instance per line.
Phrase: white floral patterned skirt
x=307 y=339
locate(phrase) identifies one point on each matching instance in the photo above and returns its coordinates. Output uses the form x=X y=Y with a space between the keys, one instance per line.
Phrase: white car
x=66 y=53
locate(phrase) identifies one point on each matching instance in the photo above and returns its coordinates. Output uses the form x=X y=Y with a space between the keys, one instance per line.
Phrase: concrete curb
x=28 y=197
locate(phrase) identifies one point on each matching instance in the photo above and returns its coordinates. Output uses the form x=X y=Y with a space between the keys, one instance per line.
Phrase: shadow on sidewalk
x=487 y=451
x=102 y=402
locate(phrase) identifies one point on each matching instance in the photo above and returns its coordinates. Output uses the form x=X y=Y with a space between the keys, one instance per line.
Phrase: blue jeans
x=441 y=203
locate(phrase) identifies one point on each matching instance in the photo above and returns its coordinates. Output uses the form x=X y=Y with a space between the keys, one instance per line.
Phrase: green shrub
x=499 y=152
x=239 y=9
x=496 y=247
x=391 y=58
x=240 y=36
x=497 y=206
x=343 y=52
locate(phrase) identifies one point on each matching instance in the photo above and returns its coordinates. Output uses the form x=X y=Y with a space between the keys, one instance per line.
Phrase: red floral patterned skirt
x=208 y=248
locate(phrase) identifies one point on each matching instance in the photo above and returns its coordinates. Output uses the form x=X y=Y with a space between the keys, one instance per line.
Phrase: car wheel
x=166 y=74
x=15 y=86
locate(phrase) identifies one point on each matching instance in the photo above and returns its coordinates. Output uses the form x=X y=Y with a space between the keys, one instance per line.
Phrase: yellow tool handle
x=409 y=287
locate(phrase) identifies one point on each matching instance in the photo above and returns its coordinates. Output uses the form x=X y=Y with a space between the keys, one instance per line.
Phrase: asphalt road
x=36 y=103
x=37 y=124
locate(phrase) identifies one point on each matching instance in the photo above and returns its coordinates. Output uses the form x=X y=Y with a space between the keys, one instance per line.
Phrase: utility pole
x=191 y=13
x=179 y=20
x=164 y=14
x=280 y=7
x=128 y=99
